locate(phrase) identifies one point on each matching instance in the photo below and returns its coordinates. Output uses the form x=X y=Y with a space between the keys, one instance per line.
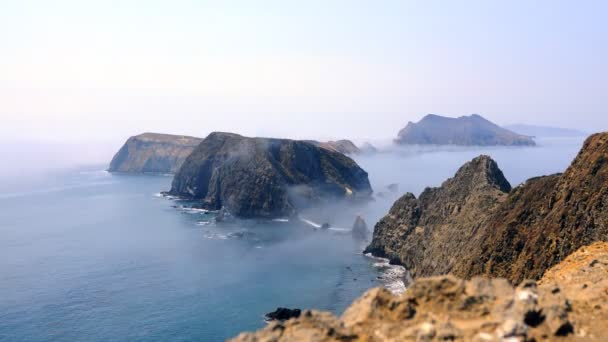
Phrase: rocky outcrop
x=262 y=177
x=569 y=304
x=465 y=130
x=153 y=153
x=472 y=225
x=428 y=235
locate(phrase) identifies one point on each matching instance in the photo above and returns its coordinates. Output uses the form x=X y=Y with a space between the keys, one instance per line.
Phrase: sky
x=84 y=71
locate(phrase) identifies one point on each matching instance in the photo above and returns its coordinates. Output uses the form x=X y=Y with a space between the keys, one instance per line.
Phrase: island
x=267 y=178
x=471 y=130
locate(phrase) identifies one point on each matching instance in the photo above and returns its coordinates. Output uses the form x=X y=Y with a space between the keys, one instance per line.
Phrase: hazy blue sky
x=104 y=70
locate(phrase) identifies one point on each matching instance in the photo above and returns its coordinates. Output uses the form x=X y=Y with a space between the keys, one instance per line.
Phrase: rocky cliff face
x=153 y=153
x=465 y=130
x=428 y=235
x=260 y=177
x=472 y=225
x=569 y=304
x=546 y=219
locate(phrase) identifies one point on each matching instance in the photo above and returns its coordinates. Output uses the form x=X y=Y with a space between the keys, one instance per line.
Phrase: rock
x=360 y=231
x=475 y=225
x=153 y=153
x=283 y=314
x=267 y=178
x=465 y=130
x=325 y=226
x=447 y=308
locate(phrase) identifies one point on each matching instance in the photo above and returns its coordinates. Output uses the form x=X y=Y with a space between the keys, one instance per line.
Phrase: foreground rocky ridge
x=262 y=177
x=465 y=130
x=474 y=225
x=569 y=304
x=153 y=153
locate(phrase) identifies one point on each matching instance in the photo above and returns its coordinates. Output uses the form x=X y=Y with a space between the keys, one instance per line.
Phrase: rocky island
x=153 y=153
x=471 y=130
x=267 y=178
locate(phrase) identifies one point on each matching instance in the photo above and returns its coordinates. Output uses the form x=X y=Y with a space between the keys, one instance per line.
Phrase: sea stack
x=360 y=231
x=267 y=178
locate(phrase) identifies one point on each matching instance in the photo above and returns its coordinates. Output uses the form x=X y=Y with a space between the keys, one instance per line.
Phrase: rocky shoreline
x=551 y=229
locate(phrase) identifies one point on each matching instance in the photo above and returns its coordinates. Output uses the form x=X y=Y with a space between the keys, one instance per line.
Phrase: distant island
x=544 y=131
x=267 y=178
x=471 y=130
x=153 y=153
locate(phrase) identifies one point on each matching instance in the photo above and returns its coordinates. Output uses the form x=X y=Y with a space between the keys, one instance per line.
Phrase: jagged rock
x=465 y=130
x=153 y=153
x=283 y=314
x=267 y=178
x=325 y=226
x=360 y=231
x=474 y=225
x=428 y=235
x=447 y=308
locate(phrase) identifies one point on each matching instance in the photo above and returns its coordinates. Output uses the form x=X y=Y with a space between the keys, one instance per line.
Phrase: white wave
x=393 y=276
x=339 y=229
x=204 y=223
x=310 y=223
x=281 y=220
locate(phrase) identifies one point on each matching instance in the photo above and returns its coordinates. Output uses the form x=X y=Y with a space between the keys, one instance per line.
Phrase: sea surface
x=90 y=256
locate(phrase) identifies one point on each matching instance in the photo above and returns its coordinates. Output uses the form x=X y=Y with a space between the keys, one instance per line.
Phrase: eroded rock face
x=428 y=235
x=569 y=304
x=465 y=130
x=474 y=225
x=153 y=153
x=261 y=177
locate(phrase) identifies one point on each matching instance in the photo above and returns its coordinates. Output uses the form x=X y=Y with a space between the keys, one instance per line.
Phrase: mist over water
x=87 y=255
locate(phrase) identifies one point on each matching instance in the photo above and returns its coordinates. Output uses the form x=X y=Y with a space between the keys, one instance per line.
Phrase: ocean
x=90 y=256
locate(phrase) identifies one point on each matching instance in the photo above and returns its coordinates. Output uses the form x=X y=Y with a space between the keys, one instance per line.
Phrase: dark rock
x=465 y=130
x=325 y=226
x=283 y=314
x=153 y=153
x=267 y=178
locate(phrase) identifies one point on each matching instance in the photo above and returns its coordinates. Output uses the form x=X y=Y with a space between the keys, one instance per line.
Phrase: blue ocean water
x=91 y=256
